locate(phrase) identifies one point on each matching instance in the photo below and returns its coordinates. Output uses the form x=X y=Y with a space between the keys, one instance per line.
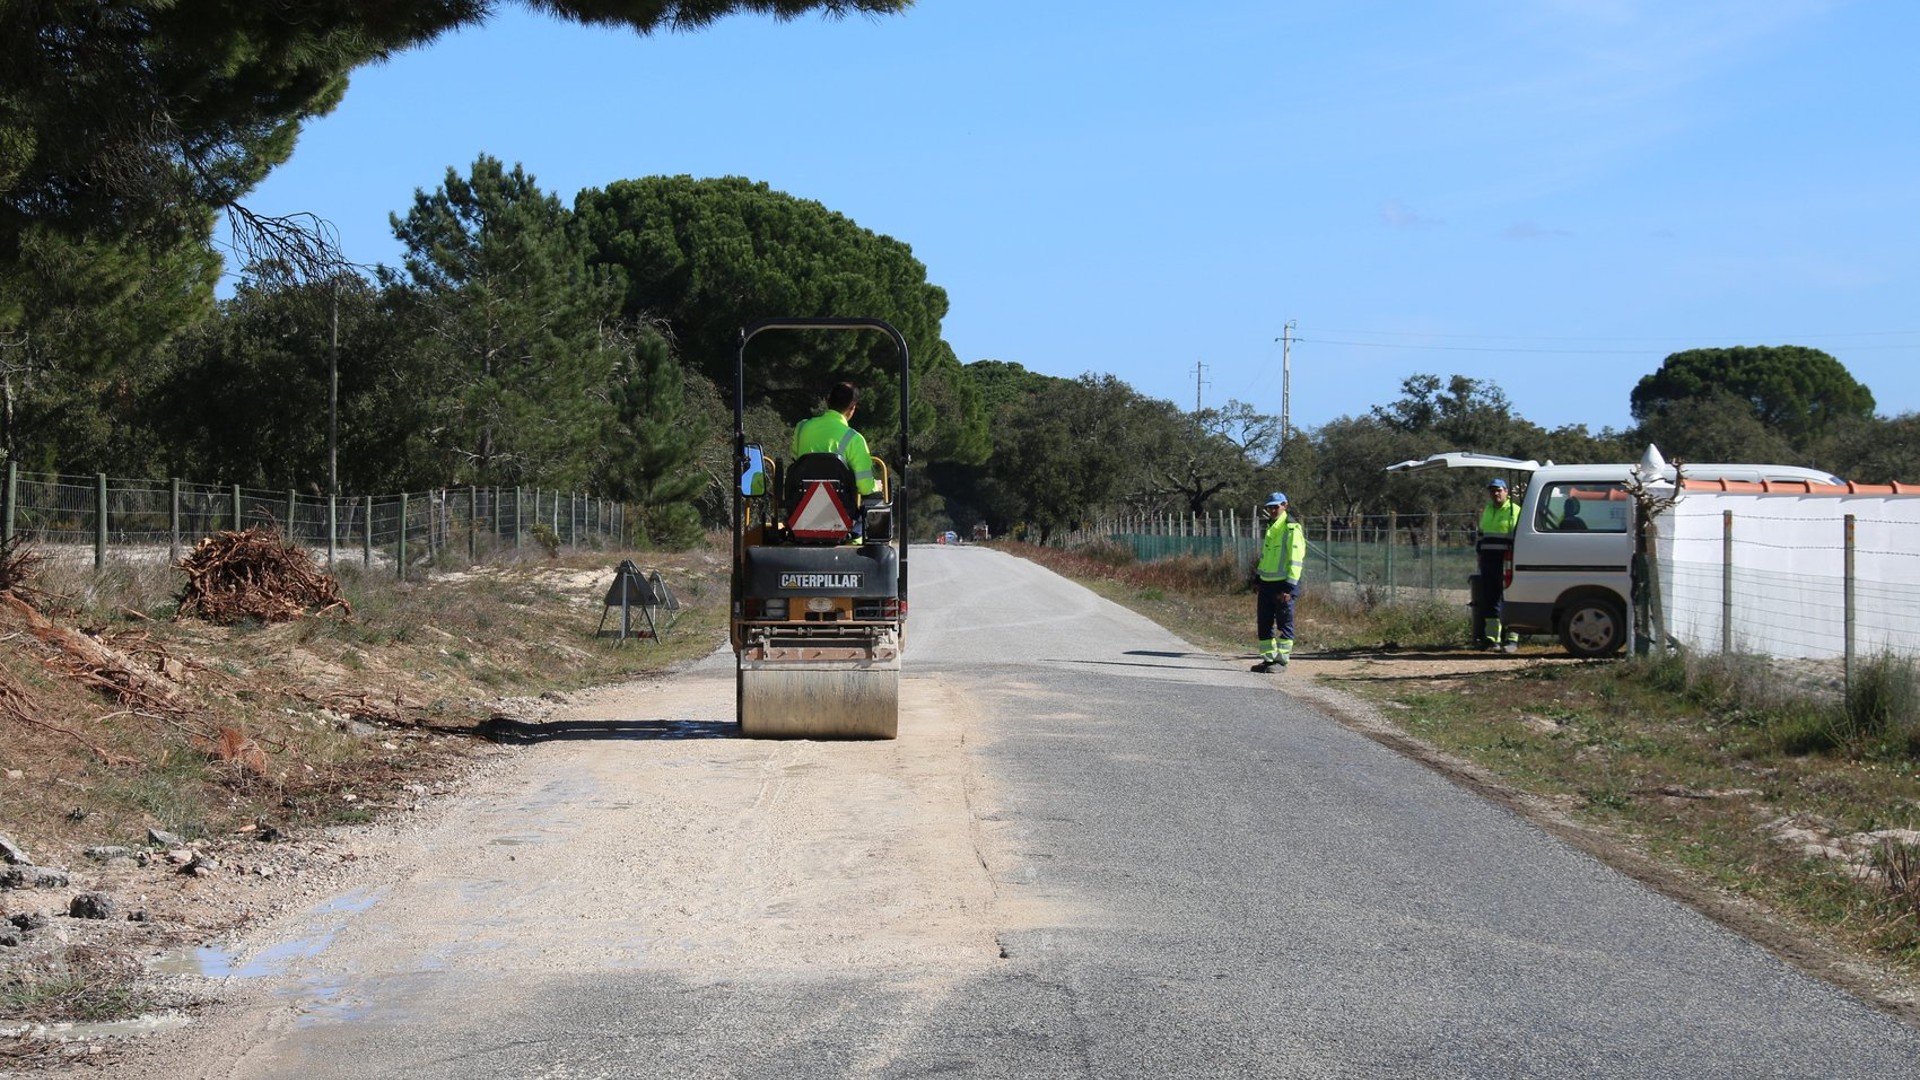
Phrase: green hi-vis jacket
x=1283 y=551
x=1500 y=520
x=828 y=433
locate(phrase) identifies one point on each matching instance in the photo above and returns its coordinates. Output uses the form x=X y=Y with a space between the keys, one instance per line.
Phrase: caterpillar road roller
x=819 y=576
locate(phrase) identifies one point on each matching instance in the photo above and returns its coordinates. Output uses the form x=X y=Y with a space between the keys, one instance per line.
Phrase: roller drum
x=819 y=699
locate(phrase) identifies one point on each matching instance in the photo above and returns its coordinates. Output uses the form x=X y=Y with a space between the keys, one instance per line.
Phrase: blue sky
x=1549 y=195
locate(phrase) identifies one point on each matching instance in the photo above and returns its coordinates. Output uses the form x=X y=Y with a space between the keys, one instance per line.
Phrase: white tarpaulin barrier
x=1787 y=590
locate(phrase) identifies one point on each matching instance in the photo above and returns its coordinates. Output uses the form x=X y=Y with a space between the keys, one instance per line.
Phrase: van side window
x=1588 y=506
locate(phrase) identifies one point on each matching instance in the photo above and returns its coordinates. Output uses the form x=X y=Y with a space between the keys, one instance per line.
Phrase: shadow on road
x=503 y=730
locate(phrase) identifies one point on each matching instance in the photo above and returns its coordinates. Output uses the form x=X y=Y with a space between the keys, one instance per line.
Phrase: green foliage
x=243 y=397
x=1873 y=450
x=1717 y=426
x=707 y=257
x=137 y=119
x=1791 y=389
x=515 y=315
x=1883 y=705
x=125 y=128
x=651 y=441
x=79 y=319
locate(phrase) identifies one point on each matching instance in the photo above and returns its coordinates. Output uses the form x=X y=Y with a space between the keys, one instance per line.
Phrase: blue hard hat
x=1278 y=498
x=1496 y=482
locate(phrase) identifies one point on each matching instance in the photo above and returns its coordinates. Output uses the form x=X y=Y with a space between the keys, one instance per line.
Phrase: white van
x=1570 y=572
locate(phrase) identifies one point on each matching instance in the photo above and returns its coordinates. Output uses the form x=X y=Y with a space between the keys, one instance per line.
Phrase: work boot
x=1262 y=667
x=1510 y=647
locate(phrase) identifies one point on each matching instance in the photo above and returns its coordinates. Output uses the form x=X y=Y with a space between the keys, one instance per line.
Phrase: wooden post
x=173 y=519
x=1433 y=554
x=1393 y=535
x=366 y=532
x=1847 y=578
x=100 y=521
x=1726 y=583
x=12 y=501
x=400 y=541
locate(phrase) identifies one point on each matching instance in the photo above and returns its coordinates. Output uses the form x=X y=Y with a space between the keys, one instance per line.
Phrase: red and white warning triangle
x=819 y=515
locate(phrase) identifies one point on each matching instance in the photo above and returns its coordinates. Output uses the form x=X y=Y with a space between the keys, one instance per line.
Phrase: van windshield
x=1588 y=506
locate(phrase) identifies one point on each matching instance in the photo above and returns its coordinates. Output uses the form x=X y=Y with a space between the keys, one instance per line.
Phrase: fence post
x=366 y=534
x=519 y=512
x=1359 y=529
x=100 y=521
x=333 y=525
x=473 y=523
x=290 y=533
x=173 y=519
x=400 y=541
x=1433 y=554
x=12 y=499
x=1848 y=578
x=1327 y=549
x=236 y=508
x=1726 y=583
x=1393 y=536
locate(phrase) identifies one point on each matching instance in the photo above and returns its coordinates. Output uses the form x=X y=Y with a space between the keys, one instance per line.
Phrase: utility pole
x=333 y=394
x=1198 y=370
x=1286 y=380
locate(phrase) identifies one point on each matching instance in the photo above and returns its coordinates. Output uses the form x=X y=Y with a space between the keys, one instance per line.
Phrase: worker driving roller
x=820 y=574
x=832 y=432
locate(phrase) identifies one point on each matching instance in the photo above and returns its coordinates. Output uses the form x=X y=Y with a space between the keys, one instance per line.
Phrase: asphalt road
x=1185 y=872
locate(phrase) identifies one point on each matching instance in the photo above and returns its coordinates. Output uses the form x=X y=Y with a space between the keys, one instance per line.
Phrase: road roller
x=819 y=576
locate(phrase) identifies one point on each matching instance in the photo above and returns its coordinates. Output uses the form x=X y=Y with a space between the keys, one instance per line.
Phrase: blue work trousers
x=1274 y=609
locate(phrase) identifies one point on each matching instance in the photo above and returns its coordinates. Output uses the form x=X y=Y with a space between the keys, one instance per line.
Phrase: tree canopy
x=137 y=119
x=516 y=319
x=1790 y=388
x=706 y=257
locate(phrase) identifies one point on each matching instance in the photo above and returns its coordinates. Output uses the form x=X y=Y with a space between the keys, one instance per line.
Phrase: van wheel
x=1593 y=627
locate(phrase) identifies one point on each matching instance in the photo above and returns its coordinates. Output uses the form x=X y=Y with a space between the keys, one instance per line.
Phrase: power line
x=1526 y=349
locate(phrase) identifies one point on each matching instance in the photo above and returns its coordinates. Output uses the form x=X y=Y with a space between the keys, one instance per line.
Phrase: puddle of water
x=139 y=1025
x=216 y=962
x=208 y=961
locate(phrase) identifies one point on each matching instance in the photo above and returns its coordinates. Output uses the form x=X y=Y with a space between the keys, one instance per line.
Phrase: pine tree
x=514 y=320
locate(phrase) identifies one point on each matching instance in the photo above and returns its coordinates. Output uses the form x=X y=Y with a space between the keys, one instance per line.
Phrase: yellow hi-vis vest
x=1500 y=520
x=828 y=433
x=1283 y=551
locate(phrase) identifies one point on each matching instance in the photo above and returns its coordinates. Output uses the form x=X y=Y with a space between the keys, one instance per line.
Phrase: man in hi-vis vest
x=1500 y=517
x=1283 y=551
x=830 y=433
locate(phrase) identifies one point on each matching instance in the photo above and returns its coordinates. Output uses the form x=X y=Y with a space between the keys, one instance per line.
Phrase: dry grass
x=270 y=722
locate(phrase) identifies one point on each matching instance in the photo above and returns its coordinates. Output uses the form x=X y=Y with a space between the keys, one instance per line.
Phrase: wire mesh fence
x=1398 y=556
x=80 y=517
x=1778 y=574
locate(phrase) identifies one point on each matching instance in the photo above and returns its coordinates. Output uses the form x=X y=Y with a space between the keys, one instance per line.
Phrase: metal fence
x=76 y=515
x=1777 y=574
x=1428 y=554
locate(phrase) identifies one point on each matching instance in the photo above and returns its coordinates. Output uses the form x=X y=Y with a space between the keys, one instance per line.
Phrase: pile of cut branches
x=233 y=576
x=17 y=564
